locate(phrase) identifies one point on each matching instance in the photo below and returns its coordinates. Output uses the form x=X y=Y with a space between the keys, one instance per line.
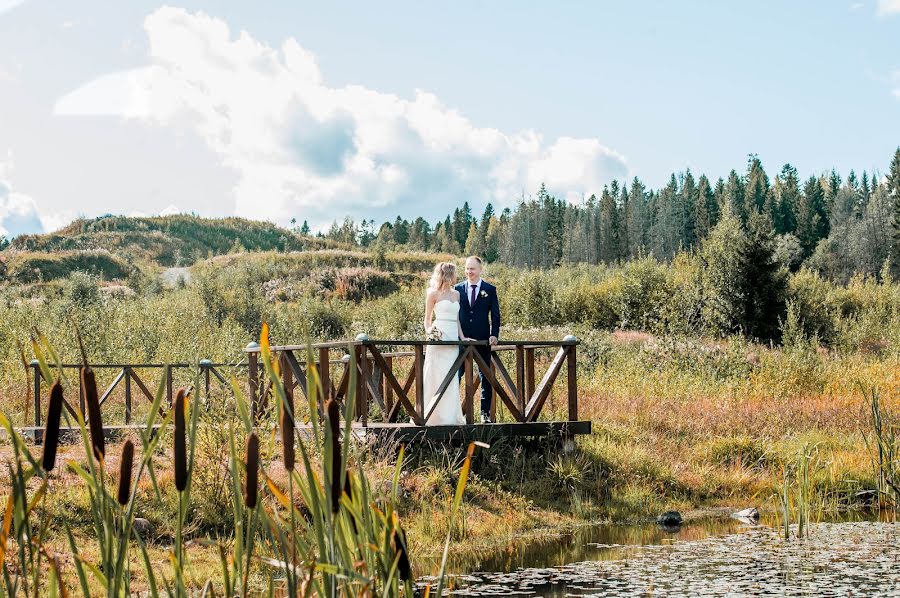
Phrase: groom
x=480 y=319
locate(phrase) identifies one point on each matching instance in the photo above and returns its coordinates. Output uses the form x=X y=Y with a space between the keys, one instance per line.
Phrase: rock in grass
x=670 y=519
x=751 y=513
x=142 y=527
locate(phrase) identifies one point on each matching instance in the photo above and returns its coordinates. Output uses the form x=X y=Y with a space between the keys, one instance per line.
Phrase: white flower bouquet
x=434 y=334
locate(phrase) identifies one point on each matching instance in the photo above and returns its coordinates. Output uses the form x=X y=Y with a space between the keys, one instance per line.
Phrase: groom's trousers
x=487 y=390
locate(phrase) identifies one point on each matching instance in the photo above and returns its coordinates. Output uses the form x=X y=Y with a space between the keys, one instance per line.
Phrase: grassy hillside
x=166 y=240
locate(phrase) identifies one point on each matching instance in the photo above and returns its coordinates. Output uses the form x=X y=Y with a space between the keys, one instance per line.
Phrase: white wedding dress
x=438 y=361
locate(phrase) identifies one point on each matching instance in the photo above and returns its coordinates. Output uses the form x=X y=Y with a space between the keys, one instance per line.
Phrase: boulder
x=750 y=514
x=142 y=527
x=670 y=519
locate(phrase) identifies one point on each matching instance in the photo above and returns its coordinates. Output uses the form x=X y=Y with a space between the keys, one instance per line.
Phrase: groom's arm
x=495 y=315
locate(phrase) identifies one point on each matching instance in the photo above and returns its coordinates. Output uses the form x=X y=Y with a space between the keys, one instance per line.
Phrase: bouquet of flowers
x=434 y=334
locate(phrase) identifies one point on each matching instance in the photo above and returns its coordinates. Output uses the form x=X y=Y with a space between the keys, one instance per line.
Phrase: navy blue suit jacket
x=482 y=320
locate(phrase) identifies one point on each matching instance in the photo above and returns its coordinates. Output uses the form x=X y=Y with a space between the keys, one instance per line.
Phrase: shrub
x=36 y=267
x=357 y=284
x=82 y=289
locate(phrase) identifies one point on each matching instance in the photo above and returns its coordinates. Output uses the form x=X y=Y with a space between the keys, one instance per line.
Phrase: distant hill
x=164 y=240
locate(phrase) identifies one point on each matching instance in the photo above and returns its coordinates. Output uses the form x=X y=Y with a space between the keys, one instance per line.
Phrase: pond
x=705 y=557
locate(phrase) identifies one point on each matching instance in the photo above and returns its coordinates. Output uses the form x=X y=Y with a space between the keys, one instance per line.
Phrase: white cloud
x=18 y=213
x=888 y=7
x=856 y=6
x=303 y=149
x=6 y=5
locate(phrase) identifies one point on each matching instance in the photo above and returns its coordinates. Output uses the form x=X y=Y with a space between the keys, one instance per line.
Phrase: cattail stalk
x=398 y=539
x=95 y=421
x=287 y=430
x=179 y=452
x=51 y=431
x=251 y=489
x=332 y=413
x=125 y=466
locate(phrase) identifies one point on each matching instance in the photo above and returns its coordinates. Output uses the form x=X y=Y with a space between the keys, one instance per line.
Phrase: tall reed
x=326 y=534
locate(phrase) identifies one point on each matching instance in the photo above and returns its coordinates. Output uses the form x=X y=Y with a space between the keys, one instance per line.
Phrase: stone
x=142 y=527
x=750 y=513
x=670 y=519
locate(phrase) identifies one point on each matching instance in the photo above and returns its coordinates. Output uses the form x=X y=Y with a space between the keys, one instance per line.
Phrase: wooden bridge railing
x=391 y=380
x=133 y=378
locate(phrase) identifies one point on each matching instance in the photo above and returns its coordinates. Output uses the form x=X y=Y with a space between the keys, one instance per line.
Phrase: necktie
x=472 y=302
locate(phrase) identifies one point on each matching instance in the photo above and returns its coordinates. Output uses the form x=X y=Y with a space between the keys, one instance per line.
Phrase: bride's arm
x=429 y=311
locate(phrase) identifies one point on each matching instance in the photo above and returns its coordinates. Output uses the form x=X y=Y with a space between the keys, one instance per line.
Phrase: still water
x=710 y=557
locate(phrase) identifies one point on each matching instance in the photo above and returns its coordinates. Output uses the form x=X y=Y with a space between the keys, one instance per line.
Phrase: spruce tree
x=893 y=190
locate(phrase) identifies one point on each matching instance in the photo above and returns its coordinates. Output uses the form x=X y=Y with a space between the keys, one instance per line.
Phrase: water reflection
x=713 y=557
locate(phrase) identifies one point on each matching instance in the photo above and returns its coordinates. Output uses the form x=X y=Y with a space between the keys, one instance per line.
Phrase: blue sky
x=283 y=110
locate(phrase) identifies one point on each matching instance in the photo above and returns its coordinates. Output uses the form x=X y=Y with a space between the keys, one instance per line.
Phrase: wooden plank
x=420 y=383
x=299 y=373
x=486 y=371
x=324 y=371
x=143 y=388
x=388 y=389
x=402 y=397
x=374 y=390
x=520 y=377
x=468 y=406
x=253 y=374
x=390 y=433
x=362 y=385
x=543 y=390
x=127 y=395
x=410 y=378
x=504 y=374
x=529 y=372
x=112 y=387
x=341 y=390
x=493 y=395
x=572 y=379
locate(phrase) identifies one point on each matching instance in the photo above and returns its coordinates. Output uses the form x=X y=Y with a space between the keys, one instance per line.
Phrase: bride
x=442 y=316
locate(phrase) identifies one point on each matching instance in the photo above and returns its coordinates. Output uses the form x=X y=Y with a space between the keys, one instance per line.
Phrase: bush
x=37 y=267
x=645 y=293
x=358 y=284
x=82 y=289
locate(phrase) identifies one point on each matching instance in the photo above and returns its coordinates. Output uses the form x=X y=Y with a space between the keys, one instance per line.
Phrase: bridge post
x=253 y=372
x=127 y=395
x=36 y=370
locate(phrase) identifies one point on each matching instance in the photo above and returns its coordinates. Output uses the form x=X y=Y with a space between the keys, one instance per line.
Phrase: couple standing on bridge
x=466 y=311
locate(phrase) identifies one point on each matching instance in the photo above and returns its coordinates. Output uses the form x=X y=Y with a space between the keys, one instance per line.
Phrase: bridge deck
x=396 y=432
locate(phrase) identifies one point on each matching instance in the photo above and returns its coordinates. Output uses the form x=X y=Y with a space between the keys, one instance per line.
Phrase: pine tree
x=757 y=188
x=812 y=221
x=893 y=190
x=734 y=196
x=304 y=230
x=787 y=192
x=474 y=241
x=609 y=227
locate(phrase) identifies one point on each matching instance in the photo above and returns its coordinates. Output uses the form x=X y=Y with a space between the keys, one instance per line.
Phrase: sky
x=315 y=111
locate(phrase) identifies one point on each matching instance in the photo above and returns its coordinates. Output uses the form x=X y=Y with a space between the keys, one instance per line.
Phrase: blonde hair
x=444 y=273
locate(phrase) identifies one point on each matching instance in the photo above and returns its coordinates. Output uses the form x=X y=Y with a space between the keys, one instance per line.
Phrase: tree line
x=833 y=224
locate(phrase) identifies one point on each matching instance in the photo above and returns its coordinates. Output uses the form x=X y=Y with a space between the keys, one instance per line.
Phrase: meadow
x=685 y=415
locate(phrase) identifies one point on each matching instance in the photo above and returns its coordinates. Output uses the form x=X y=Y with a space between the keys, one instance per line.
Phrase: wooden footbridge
x=389 y=396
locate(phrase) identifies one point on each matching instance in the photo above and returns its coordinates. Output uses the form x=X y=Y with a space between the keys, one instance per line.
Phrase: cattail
x=179 y=449
x=348 y=490
x=332 y=413
x=95 y=422
x=398 y=539
x=251 y=490
x=125 y=465
x=51 y=432
x=287 y=430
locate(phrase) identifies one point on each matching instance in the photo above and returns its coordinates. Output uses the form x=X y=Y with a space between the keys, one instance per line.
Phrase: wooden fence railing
x=130 y=381
x=391 y=380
